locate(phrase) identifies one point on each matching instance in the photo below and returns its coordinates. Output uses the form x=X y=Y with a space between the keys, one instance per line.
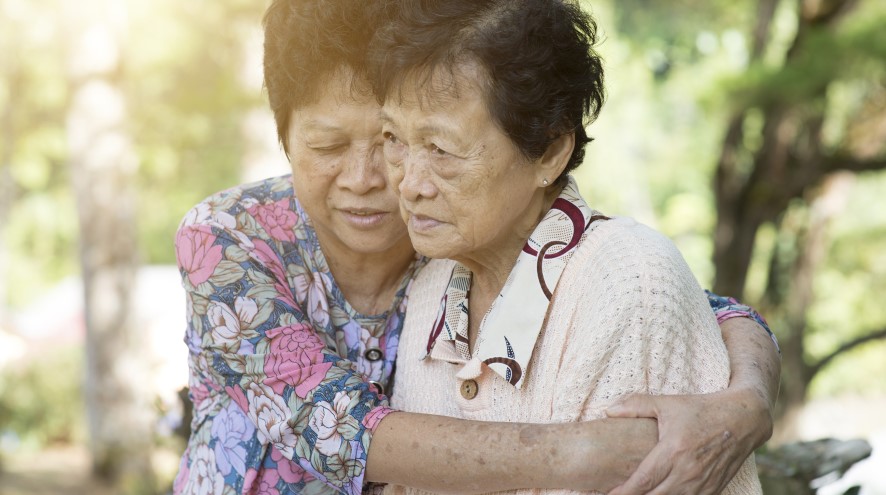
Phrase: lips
x=363 y=218
x=422 y=223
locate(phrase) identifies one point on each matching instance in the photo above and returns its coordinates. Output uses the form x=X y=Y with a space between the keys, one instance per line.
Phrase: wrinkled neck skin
x=491 y=269
x=369 y=282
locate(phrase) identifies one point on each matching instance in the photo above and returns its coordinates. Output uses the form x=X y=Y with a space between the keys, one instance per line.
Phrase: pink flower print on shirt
x=184 y=472
x=374 y=417
x=295 y=358
x=261 y=483
x=270 y=414
x=288 y=469
x=310 y=291
x=196 y=254
x=238 y=396
x=199 y=393
x=277 y=219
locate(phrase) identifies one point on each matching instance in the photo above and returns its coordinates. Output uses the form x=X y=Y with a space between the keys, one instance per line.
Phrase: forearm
x=755 y=367
x=445 y=454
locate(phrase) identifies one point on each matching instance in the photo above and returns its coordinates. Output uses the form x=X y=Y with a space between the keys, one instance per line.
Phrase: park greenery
x=753 y=133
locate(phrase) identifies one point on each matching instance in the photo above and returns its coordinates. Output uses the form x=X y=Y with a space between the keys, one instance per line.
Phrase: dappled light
x=752 y=133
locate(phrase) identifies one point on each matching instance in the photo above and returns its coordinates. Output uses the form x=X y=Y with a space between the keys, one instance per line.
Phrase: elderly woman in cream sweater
x=549 y=311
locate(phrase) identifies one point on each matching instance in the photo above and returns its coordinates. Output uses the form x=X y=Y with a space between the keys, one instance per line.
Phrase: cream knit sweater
x=627 y=316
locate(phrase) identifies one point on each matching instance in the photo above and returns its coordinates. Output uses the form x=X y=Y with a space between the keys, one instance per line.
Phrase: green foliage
x=181 y=65
x=41 y=402
x=675 y=25
x=661 y=133
x=187 y=106
x=856 y=51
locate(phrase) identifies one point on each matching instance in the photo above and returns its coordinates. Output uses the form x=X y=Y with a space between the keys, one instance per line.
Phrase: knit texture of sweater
x=626 y=317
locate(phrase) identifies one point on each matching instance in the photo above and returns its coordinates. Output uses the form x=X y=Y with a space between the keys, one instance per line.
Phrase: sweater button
x=469 y=389
x=373 y=354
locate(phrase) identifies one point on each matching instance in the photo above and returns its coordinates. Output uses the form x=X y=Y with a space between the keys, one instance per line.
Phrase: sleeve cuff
x=727 y=308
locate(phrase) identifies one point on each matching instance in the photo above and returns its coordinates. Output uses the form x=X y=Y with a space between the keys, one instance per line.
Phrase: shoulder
x=623 y=257
x=262 y=218
x=221 y=209
x=630 y=237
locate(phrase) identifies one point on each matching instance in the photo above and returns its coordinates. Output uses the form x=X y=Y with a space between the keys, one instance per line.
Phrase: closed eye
x=328 y=148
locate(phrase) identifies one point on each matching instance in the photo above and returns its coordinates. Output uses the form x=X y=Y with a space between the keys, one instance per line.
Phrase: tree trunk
x=754 y=187
x=103 y=171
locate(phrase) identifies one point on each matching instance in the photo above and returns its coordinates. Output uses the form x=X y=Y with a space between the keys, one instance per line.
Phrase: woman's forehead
x=438 y=87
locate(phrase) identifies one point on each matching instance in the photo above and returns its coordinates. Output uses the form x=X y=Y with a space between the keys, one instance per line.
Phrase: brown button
x=469 y=389
x=378 y=386
x=373 y=354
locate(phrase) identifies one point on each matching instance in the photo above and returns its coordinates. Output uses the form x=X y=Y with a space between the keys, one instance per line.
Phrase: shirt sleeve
x=729 y=307
x=249 y=339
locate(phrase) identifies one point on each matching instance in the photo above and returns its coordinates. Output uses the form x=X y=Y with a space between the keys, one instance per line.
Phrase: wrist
x=608 y=451
x=756 y=412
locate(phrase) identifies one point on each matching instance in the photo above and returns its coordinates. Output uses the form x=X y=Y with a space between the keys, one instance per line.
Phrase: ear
x=552 y=163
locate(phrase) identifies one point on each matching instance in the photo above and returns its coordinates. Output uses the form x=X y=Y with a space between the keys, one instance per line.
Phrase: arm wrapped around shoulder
x=639 y=323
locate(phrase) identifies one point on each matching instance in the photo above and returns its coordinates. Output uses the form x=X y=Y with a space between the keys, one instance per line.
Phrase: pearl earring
x=544 y=182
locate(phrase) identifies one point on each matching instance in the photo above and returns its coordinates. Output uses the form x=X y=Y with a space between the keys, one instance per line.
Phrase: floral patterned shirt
x=285 y=376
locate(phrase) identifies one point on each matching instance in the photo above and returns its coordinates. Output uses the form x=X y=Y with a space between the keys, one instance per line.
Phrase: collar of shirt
x=509 y=330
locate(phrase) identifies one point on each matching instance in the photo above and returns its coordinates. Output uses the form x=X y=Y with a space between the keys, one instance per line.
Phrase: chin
x=377 y=243
x=431 y=251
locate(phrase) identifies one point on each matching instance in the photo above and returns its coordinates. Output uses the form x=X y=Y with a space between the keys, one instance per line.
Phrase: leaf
x=236 y=253
x=348 y=427
x=226 y=273
x=263 y=293
x=259 y=278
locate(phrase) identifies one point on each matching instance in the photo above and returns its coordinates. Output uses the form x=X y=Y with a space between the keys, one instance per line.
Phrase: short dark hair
x=544 y=78
x=306 y=42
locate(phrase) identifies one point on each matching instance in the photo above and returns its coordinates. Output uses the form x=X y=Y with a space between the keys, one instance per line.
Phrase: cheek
x=312 y=165
x=395 y=177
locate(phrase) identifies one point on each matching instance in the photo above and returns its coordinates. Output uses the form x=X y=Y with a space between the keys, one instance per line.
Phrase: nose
x=363 y=170
x=416 y=182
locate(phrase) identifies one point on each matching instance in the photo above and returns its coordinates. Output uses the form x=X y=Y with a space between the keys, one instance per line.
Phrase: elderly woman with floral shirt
x=296 y=289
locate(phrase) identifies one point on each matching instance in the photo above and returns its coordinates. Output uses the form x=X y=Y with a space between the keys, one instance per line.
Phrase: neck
x=492 y=267
x=369 y=281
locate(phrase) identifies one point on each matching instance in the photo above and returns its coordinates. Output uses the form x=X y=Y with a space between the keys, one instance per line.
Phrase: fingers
x=635 y=406
x=649 y=474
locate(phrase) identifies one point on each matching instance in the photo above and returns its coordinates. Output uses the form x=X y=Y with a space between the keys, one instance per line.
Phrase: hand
x=703 y=440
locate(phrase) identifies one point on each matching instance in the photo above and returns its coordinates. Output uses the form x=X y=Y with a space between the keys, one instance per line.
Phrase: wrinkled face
x=338 y=172
x=465 y=189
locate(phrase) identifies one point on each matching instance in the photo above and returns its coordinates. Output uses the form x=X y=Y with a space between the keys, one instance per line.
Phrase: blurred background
x=752 y=132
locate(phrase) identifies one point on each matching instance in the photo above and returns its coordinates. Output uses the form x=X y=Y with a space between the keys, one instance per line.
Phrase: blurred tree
x=142 y=126
x=805 y=106
x=37 y=221
x=792 y=160
x=186 y=64
x=103 y=170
